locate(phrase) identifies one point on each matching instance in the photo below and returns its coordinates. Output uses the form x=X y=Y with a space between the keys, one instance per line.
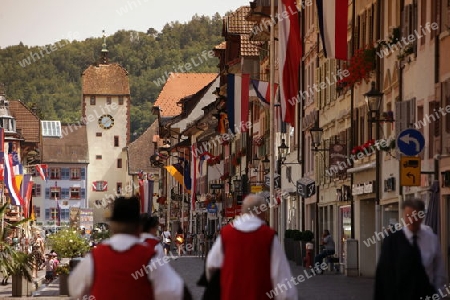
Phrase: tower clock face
x=106 y=121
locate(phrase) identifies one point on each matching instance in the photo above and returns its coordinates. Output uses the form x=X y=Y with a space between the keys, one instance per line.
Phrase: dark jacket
x=400 y=274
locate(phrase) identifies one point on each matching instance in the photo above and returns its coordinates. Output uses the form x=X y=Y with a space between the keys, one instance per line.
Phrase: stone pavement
x=319 y=287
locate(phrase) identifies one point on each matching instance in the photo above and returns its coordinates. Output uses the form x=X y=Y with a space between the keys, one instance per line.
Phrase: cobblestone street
x=320 y=287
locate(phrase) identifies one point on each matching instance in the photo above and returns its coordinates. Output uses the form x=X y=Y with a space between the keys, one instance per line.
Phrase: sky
x=43 y=22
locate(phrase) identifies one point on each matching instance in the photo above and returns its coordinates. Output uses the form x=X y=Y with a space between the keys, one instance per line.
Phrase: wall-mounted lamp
x=316 y=135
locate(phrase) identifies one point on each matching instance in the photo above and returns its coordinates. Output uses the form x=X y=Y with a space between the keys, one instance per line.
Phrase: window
x=55 y=173
x=98 y=134
x=92 y=100
x=120 y=100
x=54 y=214
x=37 y=211
x=119 y=188
x=75 y=173
x=99 y=186
x=64 y=214
x=74 y=193
x=36 y=191
x=108 y=100
x=119 y=163
x=65 y=173
x=55 y=192
x=98 y=157
x=116 y=141
x=51 y=128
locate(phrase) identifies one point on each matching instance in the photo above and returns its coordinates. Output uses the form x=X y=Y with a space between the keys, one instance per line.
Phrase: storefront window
x=346 y=228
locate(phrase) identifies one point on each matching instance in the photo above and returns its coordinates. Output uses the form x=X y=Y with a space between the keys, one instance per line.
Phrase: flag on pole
x=194 y=176
x=10 y=182
x=290 y=54
x=333 y=27
x=42 y=169
x=25 y=192
x=58 y=211
x=238 y=89
x=261 y=89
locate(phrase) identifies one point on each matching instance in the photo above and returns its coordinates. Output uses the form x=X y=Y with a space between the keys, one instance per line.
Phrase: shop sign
x=212 y=208
x=216 y=186
x=256 y=189
x=306 y=187
x=363 y=188
x=338 y=158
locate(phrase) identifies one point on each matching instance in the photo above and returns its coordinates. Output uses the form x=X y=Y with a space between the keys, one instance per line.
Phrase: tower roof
x=105 y=79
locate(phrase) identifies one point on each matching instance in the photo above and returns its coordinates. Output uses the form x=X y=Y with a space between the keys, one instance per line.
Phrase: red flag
x=41 y=169
x=194 y=176
x=290 y=51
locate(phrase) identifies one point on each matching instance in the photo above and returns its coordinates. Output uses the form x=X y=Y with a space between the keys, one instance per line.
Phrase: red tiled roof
x=26 y=121
x=237 y=22
x=249 y=48
x=178 y=86
x=140 y=150
x=71 y=148
x=109 y=79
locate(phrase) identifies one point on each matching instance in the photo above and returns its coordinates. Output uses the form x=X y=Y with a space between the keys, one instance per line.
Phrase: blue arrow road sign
x=410 y=142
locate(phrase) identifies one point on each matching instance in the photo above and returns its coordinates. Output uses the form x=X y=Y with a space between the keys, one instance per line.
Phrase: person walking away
x=49 y=265
x=250 y=258
x=122 y=267
x=179 y=240
x=149 y=233
x=55 y=263
x=167 y=240
x=328 y=249
x=410 y=264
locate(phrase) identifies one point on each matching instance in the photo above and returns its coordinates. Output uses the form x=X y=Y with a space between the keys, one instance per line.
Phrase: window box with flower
x=361 y=65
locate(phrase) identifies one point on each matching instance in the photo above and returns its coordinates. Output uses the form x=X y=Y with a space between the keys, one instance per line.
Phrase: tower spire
x=104 y=52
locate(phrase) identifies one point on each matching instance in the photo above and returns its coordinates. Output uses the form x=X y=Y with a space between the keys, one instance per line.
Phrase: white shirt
x=158 y=247
x=167 y=284
x=279 y=266
x=166 y=237
x=430 y=251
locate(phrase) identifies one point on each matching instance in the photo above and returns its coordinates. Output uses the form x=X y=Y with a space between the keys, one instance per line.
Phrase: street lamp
x=316 y=135
x=283 y=150
x=373 y=101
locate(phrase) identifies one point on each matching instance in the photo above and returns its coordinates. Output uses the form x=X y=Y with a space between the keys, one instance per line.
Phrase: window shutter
x=83 y=193
x=447 y=103
x=317 y=93
x=406 y=20
x=412 y=112
x=332 y=88
x=65 y=193
x=363 y=29
x=414 y=15
x=323 y=92
x=370 y=14
x=65 y=173
x=83 y=173
x=398 y=116
x=47 y=193
x=327 y=75
x=356 y=34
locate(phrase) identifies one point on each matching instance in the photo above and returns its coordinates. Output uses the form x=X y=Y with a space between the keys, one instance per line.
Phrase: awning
x=362 y=168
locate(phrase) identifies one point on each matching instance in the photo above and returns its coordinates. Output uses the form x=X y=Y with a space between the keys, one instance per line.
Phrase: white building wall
x=106 y=168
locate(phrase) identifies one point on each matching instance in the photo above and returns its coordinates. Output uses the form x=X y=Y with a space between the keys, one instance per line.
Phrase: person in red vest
x=123 y=267
x=249 y=256
x=150 y=233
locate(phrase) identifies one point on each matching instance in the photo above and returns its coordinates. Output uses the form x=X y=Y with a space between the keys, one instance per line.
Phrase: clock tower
x=106 y=112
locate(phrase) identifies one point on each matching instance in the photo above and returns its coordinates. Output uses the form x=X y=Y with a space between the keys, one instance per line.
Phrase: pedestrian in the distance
x=410 y=265
x=167 y=240
x=249 y=256
x=149 y=233
x=179 y=241
x=328 y=249
x=123 y=267
x=49 y=266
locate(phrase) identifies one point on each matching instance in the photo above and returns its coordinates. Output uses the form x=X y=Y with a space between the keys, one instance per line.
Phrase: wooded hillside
x=50 y=76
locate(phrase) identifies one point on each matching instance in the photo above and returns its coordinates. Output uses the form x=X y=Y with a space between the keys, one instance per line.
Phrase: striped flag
x=25 y=192
x=333 y=27
x=261 y=89
x=10 y=182
x=58 y=210
x=290 y=54
x=41 y=169
x=194 y=177
x=238 y=89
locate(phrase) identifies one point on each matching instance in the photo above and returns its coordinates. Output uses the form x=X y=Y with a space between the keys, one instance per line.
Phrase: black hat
x=126 y=210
